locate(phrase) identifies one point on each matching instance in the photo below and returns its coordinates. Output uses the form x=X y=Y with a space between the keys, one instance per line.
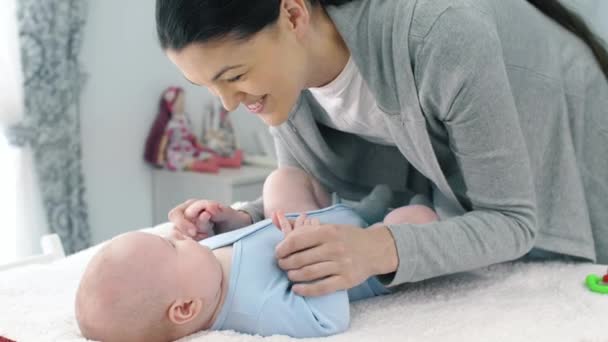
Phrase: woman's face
x=266 y=73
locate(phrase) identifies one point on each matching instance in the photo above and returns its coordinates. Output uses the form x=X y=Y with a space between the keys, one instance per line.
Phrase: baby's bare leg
x=290 y=189
x=416 y=214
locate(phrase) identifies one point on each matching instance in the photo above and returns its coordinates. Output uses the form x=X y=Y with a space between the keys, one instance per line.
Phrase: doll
x=172 y=144
x=218 y=135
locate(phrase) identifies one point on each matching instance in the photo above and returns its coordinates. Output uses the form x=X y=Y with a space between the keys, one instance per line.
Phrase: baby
x=143 y=287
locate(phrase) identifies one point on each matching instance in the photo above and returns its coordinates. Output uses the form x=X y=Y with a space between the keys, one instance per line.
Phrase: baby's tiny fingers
x=284 y=222
x=275 y=220
x=213 y=208
x=204 y=222
x=315 y=221
x=300 y=220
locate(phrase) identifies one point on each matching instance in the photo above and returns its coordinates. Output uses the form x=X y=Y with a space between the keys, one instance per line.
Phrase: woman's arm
x=462 y=81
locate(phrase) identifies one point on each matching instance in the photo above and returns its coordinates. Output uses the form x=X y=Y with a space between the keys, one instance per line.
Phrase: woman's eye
x=234 y=79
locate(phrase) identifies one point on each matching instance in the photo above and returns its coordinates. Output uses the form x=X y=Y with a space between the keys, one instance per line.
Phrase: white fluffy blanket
x=521 y=301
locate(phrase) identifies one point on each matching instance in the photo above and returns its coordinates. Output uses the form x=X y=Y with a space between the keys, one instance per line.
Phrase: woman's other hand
x=332 y=257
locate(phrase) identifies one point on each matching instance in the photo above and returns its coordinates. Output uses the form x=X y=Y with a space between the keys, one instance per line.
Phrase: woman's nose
x=228 y=104
x=230 y=100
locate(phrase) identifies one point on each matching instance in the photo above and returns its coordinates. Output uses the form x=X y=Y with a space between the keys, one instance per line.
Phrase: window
x=8 y=196
x=11 y=95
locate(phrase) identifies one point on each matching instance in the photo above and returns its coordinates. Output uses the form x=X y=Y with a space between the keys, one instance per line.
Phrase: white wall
x=127 y=72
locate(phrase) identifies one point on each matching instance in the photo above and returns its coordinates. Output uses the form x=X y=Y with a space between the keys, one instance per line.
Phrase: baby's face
x=196 y=269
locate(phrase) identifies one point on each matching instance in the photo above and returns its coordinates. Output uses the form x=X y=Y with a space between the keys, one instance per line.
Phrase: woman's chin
x=273 y=119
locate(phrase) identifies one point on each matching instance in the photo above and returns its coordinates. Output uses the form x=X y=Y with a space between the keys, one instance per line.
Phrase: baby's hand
x=200 y=219
x=287 y=226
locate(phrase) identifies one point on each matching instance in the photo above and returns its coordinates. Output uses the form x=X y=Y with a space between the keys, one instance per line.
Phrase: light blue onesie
x=260 y=300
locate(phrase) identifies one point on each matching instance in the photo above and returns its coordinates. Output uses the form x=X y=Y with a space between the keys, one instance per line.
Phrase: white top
x=351 y=107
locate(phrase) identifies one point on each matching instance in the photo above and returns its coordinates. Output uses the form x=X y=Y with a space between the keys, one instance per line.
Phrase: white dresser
x=227 y=186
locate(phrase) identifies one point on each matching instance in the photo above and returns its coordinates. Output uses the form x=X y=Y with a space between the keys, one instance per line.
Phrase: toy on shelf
x=172 y=144
x=218 y=135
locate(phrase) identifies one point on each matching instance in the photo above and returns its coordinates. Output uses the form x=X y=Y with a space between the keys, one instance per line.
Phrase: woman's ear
x=297 y=13
x=182 y=312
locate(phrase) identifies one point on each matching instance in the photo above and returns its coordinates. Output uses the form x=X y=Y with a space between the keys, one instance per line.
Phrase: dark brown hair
x=575 y=24
x=182 y=22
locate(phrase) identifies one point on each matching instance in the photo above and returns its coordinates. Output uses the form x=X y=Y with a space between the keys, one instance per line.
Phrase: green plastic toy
x=596 y=284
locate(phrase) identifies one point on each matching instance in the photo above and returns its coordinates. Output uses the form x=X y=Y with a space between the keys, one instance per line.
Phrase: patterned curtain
x=50 y=33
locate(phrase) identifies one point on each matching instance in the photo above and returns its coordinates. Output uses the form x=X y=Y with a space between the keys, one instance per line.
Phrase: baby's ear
x=182 y=312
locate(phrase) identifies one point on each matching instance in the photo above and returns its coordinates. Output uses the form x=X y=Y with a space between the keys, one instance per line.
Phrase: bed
x=514 y=301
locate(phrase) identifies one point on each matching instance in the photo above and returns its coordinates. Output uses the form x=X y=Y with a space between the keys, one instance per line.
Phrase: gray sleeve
x=255 y=208
x=284 y=156
x=462 y=82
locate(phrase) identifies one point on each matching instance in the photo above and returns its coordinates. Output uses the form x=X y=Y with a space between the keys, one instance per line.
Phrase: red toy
x=172 y=144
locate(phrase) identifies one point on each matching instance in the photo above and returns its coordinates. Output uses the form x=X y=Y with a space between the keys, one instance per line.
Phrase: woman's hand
x=198 y=218
x=333 y=256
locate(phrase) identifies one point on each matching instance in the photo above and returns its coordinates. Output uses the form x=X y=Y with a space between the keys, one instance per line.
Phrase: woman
x=495 y=112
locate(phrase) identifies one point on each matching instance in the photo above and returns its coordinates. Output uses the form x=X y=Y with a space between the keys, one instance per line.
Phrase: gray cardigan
x=499 y=116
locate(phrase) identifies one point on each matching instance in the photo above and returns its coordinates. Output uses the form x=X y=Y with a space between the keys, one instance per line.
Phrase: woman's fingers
x=308 y=255
x=301 y=239
x=176 y=216
x=314 y=271
x=321 y=287
x=194 y=209
x=179 y=210
x=314 y=253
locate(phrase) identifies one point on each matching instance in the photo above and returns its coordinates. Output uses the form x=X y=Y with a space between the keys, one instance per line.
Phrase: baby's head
x=143 y=287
